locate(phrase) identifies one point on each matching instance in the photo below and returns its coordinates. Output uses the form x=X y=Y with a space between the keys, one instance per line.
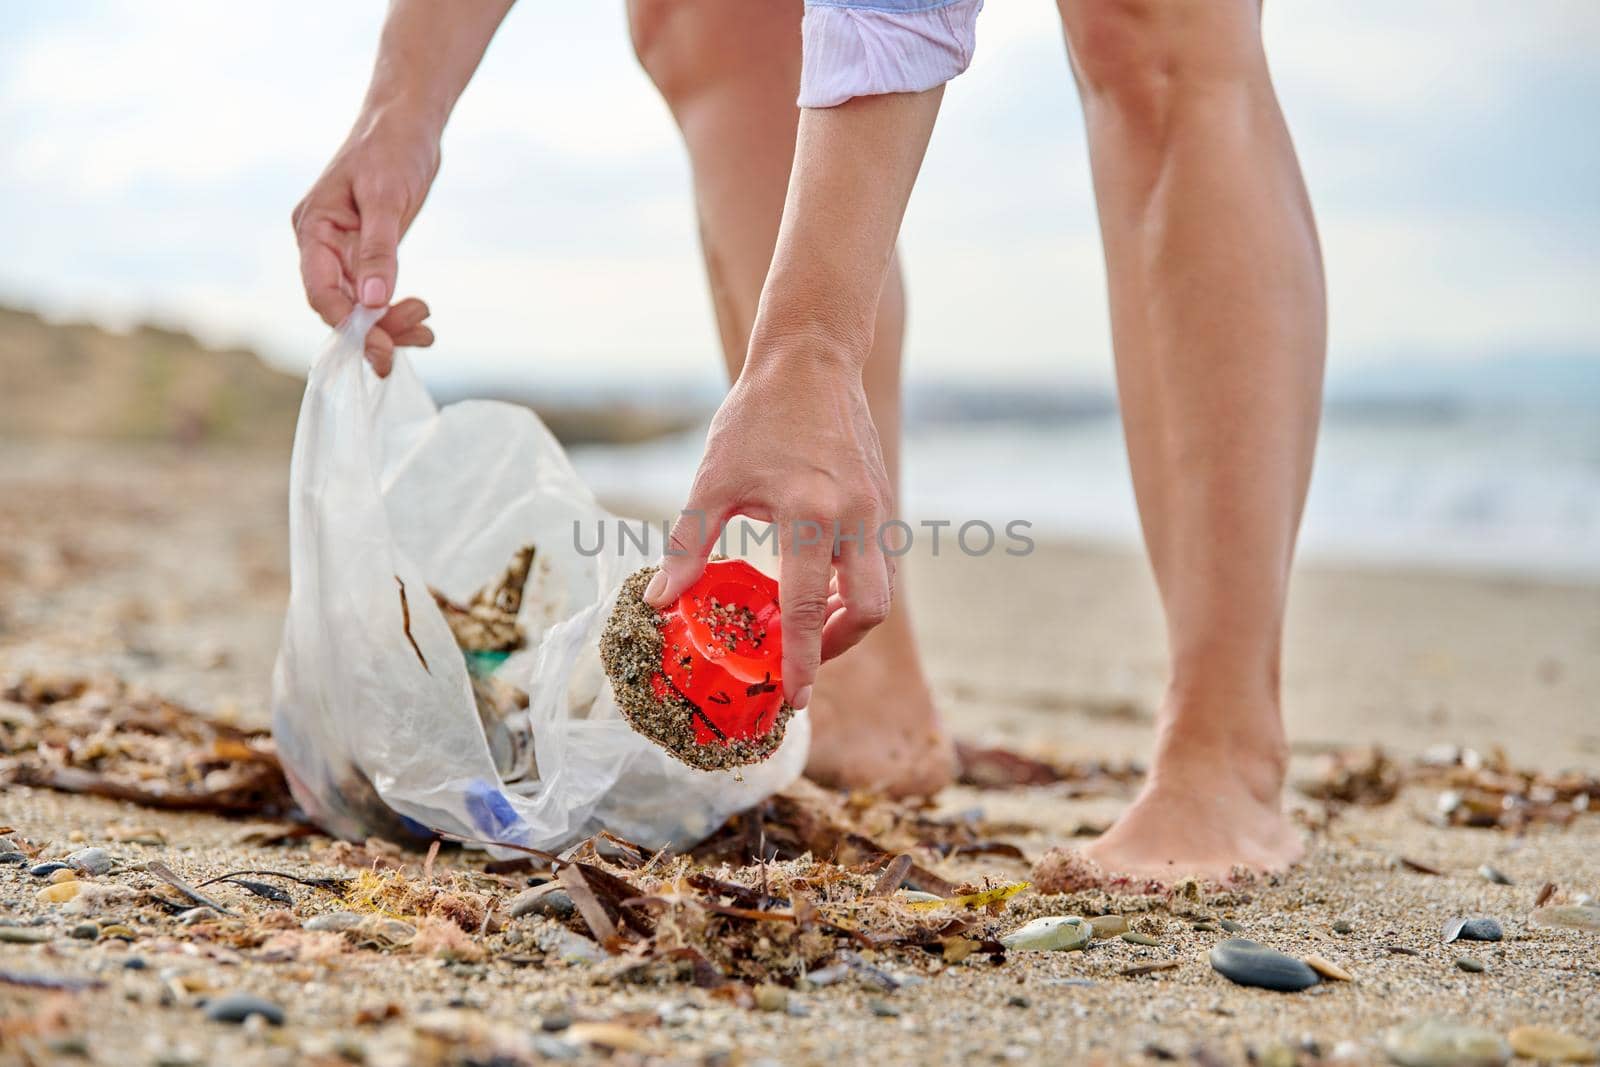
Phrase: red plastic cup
x=723 y=652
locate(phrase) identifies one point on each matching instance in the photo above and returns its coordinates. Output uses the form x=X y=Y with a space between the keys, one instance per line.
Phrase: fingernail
x=802 y=698
x=656 y=589
x=372 y=293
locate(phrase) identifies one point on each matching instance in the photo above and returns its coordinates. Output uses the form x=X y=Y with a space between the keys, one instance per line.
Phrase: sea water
x=1503 y=488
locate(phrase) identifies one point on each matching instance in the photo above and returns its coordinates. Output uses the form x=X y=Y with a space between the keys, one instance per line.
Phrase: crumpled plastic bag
x=389 y=496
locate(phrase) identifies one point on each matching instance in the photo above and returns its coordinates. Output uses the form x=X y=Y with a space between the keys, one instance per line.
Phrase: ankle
x=1222 y=737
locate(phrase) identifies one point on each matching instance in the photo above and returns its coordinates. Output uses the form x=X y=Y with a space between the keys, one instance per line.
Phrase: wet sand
x=170 y=571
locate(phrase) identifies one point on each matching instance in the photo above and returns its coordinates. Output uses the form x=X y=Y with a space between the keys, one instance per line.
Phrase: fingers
x=323 y=277
x=376 y=250
x=803 y=569
x=380 y=351
x=864 y=595
x=693 y=536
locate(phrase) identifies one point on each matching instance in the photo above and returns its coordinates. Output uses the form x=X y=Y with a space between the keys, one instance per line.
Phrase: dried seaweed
x=1001 y=768
x=169 y=876
x=103 y=737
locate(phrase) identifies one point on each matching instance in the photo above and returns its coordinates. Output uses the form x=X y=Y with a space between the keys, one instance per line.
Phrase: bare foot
x=1207 y=810
x=874 y=724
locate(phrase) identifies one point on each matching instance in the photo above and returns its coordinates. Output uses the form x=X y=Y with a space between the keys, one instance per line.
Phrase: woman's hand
x=794 y=444
x=350 y=224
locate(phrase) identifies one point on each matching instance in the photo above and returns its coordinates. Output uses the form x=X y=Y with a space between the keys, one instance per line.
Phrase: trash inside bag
x=440 y=665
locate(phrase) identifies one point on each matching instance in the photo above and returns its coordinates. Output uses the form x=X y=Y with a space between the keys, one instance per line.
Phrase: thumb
x=684 y=561
x=376 y=260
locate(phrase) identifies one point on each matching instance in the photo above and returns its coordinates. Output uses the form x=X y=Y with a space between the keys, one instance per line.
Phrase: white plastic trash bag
x=372 y=703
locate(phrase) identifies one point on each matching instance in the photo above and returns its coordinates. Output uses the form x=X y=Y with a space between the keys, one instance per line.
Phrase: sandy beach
x=169 y=571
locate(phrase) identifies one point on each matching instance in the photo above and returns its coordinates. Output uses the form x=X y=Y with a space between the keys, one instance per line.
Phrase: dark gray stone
x=237 y=1007
x=45 y=870
x=1244 y=962
x=1472 y=930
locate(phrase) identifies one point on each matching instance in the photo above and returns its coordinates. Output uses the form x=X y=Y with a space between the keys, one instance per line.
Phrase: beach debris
x=237 y=1007
x=1329 y=969
x=983 y=898
x=91 y=861
x=1472 y=930
x=168 y=875
x=1244 y=962
x=1546 y=891
x=1105 y=926
x=1551 y=1046
x=1365 y=777
x=1417 y=865
x=333 y=921
x=1469 y=964
x=1493 y=874
x=1435 y=1042
x=1486 y=791
x=992 y=767
x=1568 y=916
x=1142 y=969
x=487 y=624
x=26 y=935
x=549 y=900
x=61 y=983
x=701 y=678
x=1054 y=933
x=1134 y=937
x=104 y=737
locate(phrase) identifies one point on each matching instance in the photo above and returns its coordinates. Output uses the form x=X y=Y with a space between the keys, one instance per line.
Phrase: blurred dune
x=78 y=381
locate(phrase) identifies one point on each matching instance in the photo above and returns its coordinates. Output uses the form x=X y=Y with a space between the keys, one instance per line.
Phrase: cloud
x=154 y=151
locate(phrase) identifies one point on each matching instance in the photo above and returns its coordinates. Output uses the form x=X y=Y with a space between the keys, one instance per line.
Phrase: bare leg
x=729 y=70
x=1219 y=325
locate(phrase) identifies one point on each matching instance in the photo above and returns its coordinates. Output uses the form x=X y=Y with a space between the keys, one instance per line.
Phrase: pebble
x=118 y=930
x=1108 y=925
x=573 y=948
x=771 y=997
x=12 y=858
x=883 y=1009
x=553 y=1048
x=1492 y=874
x=1551 y=1046
x=65 y=874
x=333 y=921
x=541 y=900
x=1569 y=916
x=1584 y=900
x=1472 y=930
x=85 y=931
x=1276 y=1054
x=1016 y=1000
x=26 y=935
x=1246 y=963
x=59 y=893
x=1444 y=1043
x=1232 y=927
x=1470 y=965
x=45 y=870
x=1054 y=933
x=1204 y=927
x=202 y=914
x=237 y=1007
x=1134 y=937
x=1342 y=927
x=93 y=861
x=555 y=1022
x=1329 y=969
x=134 y=963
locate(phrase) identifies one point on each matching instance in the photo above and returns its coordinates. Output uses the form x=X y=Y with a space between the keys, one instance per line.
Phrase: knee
x=668 y=40
x=1140 y=56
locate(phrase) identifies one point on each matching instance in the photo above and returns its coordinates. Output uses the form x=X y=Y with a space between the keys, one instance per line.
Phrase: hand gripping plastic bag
x=373 y=706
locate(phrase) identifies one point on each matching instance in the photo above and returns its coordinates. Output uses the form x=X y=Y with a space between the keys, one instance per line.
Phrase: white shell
x=1058 y=933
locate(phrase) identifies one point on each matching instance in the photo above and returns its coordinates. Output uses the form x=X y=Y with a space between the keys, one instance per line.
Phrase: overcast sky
x=151 y=154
